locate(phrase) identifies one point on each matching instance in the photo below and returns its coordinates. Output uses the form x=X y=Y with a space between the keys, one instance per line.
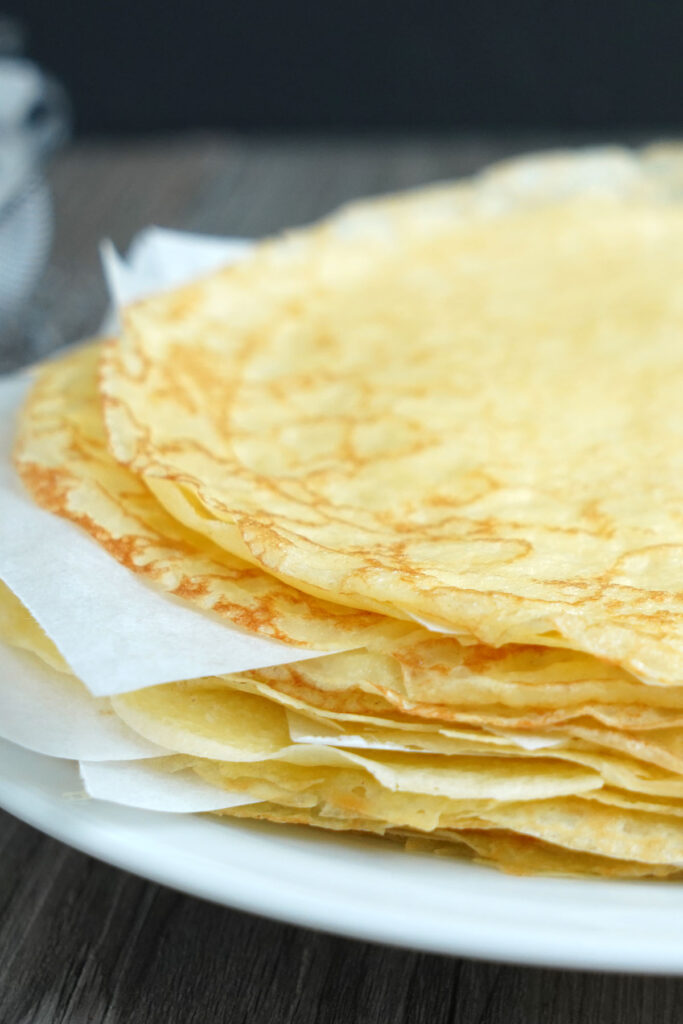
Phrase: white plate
x=367 y=889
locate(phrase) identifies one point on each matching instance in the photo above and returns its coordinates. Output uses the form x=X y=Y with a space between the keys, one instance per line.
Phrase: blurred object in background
x=34 y=120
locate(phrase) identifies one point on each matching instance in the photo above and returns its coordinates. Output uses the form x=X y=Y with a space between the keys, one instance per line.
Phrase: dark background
x=140 y=65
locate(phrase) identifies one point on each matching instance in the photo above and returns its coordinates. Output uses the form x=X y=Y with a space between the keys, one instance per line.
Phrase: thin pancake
x=423 y=415
x=62 y=456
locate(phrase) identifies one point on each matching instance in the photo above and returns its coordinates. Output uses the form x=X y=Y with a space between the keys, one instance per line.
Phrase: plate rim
x=567 y=941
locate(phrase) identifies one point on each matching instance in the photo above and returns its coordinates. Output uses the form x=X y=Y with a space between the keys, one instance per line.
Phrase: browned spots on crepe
x=405 y=409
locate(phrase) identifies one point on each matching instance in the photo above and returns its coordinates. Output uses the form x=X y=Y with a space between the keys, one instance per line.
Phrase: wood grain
x=82 y=942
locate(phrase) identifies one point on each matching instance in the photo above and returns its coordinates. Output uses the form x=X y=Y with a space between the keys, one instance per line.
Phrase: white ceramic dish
x=367 y=889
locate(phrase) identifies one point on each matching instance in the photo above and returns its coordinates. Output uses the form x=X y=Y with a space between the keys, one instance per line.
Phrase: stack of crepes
x=437 y=438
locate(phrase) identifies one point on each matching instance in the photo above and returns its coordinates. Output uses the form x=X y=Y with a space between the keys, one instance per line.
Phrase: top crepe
x=462 y=406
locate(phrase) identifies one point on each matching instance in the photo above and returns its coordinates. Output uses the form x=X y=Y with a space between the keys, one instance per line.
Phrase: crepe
x=435 y=439
x=62 y=457
x=465 y=792
x=406 y=410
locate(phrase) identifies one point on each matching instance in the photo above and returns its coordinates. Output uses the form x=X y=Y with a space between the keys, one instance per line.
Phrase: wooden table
x=81 y=942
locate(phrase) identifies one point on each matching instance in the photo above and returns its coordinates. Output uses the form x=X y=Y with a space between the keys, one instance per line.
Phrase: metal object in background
x=34 y=121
